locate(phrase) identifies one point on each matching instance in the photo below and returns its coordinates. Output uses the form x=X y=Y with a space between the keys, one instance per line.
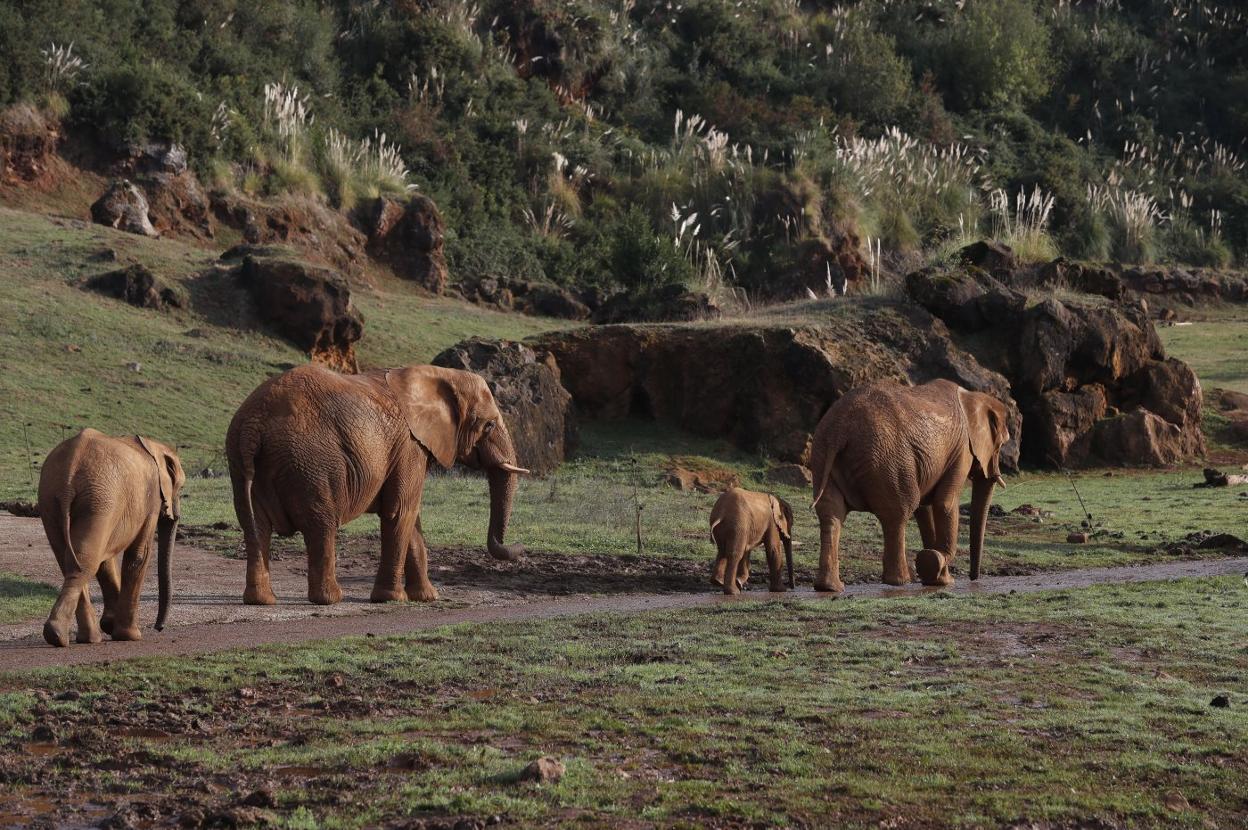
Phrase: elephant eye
x=489 y=427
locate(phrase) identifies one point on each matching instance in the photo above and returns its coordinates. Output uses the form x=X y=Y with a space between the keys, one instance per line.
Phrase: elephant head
x=171 y=478
x=782 y=515
x=452 y=414
x=986 y=433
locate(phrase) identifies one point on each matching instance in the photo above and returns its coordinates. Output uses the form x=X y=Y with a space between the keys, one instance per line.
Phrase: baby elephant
x=99 y=497
x=742 y=520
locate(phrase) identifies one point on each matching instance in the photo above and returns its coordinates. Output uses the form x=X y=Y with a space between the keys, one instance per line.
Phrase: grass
x=1073 y=707
x=1215 y=348
x=23 y=599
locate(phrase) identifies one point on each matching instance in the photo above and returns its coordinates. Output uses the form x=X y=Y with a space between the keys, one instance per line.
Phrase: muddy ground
x=209 y=615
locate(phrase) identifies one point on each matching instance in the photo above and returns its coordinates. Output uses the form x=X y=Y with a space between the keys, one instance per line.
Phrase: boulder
x=762 y=387
x=1061 y=424
x=321 y=235
x=965 y=299
x=138 y=286
x=123 y=206
x=308 y=305
x=28 y=141
x=667 y=303
x=996 y=258
x=794 y=475
x=177 y=204
x=1140 y=438
x=1081 y=276
x=526 y=385
x=528 y=297
x=410 y=237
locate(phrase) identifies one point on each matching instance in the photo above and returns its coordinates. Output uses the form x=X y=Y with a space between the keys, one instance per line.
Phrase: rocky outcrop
x=1188 y=285
x=123 y=206
x=176 y=202
x=28 y=142
x=526 y=385
x=410 y=237
x=763 y=387
x=668 y=303
x=138 y=286
x=318 y=232
x=308 y=305
x=528 y=297
x=1085 y=373
x=996 y=258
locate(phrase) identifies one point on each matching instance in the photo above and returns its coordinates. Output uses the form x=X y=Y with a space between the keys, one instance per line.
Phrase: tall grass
x=1025 y=227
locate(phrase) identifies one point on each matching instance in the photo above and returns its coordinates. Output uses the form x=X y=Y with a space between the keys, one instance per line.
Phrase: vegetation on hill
x=634 y=142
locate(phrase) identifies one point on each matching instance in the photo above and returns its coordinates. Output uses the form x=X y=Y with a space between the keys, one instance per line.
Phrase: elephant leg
x=775 y=564
x=397 y=531
x=133 y=569
x=110 y=588
x=732 y=569
x=322 y=565
x=88 y=626
x=89 y=537
x=933 y=562
x=896 y=568
x=743 y=569
x=259 y=590
x=717 y=568
x=416 y=569
x=831 y=511
x=927 y=525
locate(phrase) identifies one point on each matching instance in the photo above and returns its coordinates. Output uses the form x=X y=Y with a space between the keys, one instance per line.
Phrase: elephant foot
x=422 y=593
x=895 y=580
x=127 y=633
x=388 y=595
x=88 y=637
x=326 y=595
x=106 y=624
x=932 y=567
x=258 y=596
x=777 y=588
x=834 y=586
x=55 y=635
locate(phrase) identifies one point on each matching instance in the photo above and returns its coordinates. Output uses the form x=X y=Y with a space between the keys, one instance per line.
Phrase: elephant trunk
x=788 y=559
x=167 y=532
x=981 y=499
x=502 y=492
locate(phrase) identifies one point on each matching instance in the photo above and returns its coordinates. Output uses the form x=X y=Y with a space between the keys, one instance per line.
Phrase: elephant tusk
x=512 y=468
x=999 y=481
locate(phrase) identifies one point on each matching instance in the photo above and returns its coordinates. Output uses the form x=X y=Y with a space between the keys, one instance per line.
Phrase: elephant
x=741 y=520
x=900 y=451
x=311 y=449
x=101 y=496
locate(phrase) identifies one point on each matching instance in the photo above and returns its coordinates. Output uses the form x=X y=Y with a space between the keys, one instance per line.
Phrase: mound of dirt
x=762 y=386
x=530 y=297
x=321 y=234
x=1090 y=377
x=526 y=386
x=308 y=305
x=27 y=144
x=410 y=238
x=138 y=286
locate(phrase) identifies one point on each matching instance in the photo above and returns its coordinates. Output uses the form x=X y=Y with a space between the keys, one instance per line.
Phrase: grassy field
x=1081 y=708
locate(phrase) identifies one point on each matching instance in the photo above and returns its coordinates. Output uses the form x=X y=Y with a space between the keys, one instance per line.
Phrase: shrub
x=130 y=104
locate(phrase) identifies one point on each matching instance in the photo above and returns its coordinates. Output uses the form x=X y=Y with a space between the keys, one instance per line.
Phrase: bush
x=638 y=258
x=128 y=104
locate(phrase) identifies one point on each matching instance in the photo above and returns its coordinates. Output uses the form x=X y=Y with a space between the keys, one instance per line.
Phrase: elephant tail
x=714 y=541
x=822 y=475
x=63 y=505
x=243 y=446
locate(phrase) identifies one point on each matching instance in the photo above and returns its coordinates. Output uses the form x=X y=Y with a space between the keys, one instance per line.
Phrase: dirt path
x=210 y=616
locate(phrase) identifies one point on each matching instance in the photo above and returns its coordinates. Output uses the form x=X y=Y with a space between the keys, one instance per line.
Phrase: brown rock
x=1077 y=538
x=411 y=238
x=669 y=303
x=525 y=383
x=996 y=258
x=123 y=206
x=138 y=286
x=309 y=306
x=1139 y=438
x=1064 y=422
x=321 y=235
x=703 y=480
x=544 y=770
x=1229 y=400
x=28 y=141
x=794 y=475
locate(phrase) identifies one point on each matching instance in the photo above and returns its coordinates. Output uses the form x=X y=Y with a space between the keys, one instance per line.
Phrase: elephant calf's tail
x=714 y=541
x=242 y=447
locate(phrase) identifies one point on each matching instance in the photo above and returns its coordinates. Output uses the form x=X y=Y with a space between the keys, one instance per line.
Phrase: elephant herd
x=309 y=450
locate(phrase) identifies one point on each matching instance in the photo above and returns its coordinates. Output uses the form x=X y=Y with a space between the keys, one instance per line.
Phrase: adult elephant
x=311 y=449
x=898 y=451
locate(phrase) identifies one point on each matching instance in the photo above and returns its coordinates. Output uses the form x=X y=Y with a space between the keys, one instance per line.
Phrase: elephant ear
x=163 y=474
x=782 y=515
x=432 y=409
x=986 y=430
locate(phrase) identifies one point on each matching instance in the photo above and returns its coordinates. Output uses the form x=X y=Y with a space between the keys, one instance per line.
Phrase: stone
x=410 y=237
x=996 y=258
x=544 y=770
x=317 y=233
x=668 y=303
x=794 y=475
x=124 y=207
x=1078 y=538
x=138 y=286
x=28 y=142
x=703 y=480
x=526 y=385
x=965 y=299
x=1220 y=701
x=308 y=305
x=1139 y=438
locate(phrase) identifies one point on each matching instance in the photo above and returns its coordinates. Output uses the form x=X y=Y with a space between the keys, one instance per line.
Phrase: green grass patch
x=1067 y=707
x=22 y=599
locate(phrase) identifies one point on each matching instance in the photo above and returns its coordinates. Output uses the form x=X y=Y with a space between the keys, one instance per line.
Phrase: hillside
x=762 y=149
